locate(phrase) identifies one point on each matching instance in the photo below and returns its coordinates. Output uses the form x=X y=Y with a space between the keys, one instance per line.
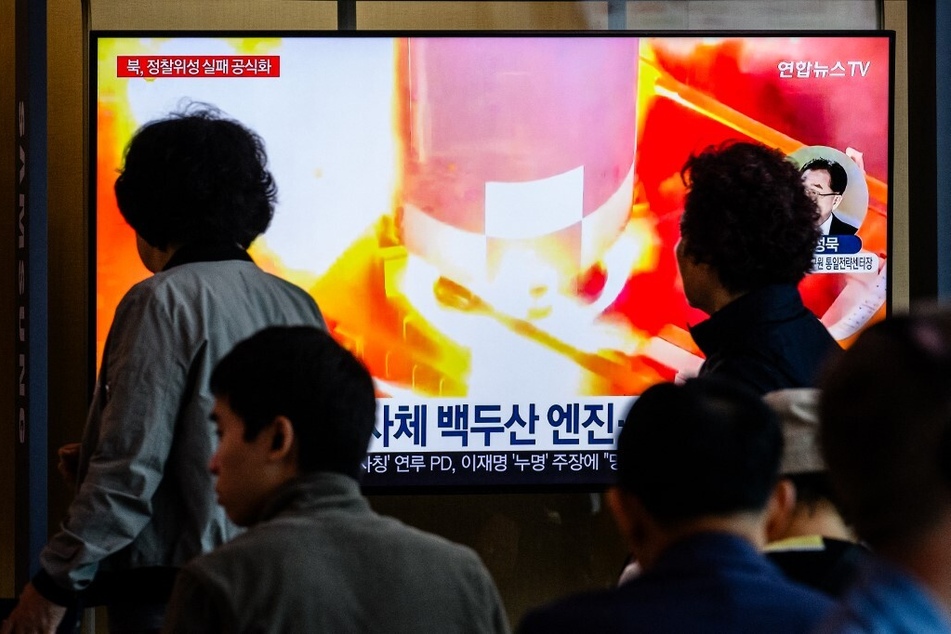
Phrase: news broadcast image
x=488 y=222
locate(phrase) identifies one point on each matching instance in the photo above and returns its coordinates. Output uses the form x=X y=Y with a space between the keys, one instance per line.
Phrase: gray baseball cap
x=797 y=409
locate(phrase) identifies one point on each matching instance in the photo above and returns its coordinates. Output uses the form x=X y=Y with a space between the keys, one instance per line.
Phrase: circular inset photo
x=838 y=186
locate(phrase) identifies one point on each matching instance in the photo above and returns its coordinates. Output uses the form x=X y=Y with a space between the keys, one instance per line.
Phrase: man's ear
x=282 y=439
x=626 y=510
x=836 y=200
x=779 y=510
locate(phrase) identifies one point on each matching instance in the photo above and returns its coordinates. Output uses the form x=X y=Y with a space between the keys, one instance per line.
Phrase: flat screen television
x=488 y=220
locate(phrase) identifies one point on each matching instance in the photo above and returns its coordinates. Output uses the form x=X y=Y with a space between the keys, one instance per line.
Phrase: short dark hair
x=885 y=414
x=838 y=178
x=300 y=372
x=747 y=215
x=707 y=447
x=196 y=177
x=814 y=487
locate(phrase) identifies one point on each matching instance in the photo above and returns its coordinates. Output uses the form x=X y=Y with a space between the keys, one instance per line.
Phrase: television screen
x=488 y=221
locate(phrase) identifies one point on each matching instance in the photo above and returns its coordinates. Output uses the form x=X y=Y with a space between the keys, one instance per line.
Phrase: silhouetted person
x=748 y=234
x=696 y=465
x=808 y=537
x=885 y=416
x=196 y=190
x=295 y=412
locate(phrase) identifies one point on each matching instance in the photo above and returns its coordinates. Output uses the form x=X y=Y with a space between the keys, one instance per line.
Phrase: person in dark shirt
x=748 y=234
x=809 y=539
x=885 y=434
x=696 y=467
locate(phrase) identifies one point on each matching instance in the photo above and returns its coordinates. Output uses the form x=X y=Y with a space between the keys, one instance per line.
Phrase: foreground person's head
x=699 y=456
x=288 y=401
x=195 y=177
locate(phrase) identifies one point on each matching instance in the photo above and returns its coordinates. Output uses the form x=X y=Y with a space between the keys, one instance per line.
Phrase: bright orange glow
x=597 y=302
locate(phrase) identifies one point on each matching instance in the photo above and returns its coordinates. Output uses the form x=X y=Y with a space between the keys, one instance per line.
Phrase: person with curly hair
x=196 y=189
x=748 y=233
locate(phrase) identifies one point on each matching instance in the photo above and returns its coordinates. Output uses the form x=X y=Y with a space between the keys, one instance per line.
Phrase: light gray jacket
x=145 y=496
x=321 y=560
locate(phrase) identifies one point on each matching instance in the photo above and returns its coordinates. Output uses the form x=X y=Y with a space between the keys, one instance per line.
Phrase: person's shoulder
x=746 y=365
x=217 y=279
x=794 y=605
x=250 y=554
x=602 y=611
x=204 y=272
x=167 y=291
x=142 y=290
x=886 y=598
x=211 y=570
x=145 y=296
x=811 y=599
x=758 y=368
x=453 y=566
x=179 y=280
x=831 y=568
x=426 y=543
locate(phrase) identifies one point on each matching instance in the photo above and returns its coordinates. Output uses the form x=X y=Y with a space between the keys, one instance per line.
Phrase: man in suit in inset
x=825 y=182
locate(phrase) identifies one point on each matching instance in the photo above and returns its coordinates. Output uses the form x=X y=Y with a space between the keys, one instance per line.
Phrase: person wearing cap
x=808 y=537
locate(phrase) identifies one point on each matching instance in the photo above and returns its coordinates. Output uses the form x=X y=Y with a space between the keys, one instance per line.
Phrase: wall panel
x=752 y=14
x=8 y=379
x=439 y=15
x=68 y=377
x=896 y=19
x=213 y=14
